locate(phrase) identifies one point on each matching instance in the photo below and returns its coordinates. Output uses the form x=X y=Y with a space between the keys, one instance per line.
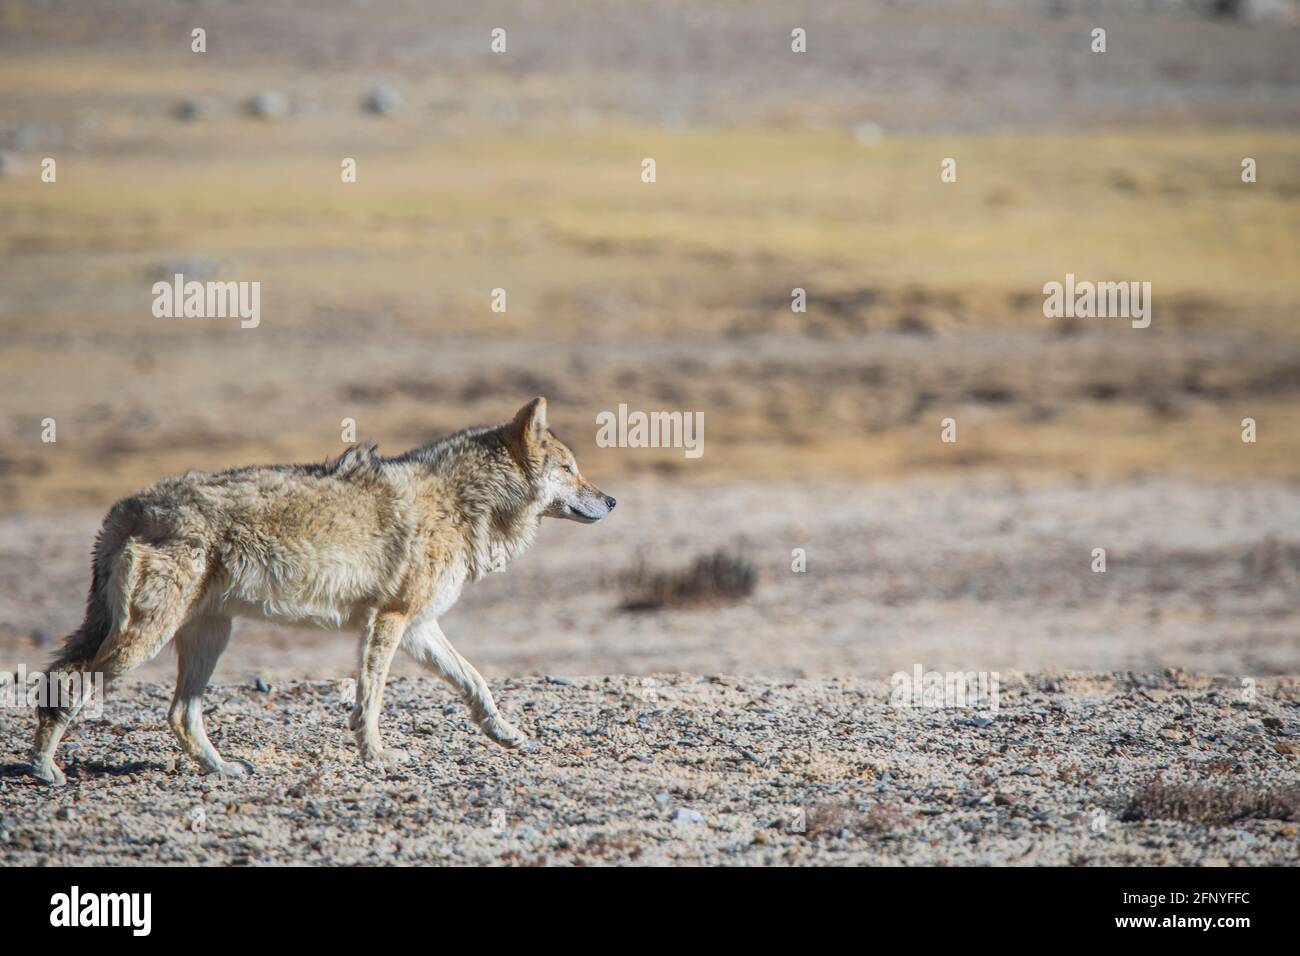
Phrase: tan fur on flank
x=381 y=544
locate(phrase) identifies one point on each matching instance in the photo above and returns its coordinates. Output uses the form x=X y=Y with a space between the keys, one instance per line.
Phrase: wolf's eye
x=571 y=468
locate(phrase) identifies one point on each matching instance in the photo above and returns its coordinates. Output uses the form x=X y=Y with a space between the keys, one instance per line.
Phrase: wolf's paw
x=512 y=738
x=46 y=772
x=355 y=719
x=234 y=768
x=384 y=756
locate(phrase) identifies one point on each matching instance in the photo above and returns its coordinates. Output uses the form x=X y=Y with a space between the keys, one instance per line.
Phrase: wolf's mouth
x=584 y=516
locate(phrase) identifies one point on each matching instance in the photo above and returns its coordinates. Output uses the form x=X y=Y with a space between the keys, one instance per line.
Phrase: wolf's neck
x=496 y=538
x=493 y=546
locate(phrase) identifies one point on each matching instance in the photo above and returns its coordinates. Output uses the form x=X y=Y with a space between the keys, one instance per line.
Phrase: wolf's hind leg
x=159 y=588
x=428 y=645
x=156 y=587
x=377 y=649
x=198 y=645
x=50 y=726
x=71 y=689
x=121 y=653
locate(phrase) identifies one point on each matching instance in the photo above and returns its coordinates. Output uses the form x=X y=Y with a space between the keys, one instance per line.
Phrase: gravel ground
x=678 y=769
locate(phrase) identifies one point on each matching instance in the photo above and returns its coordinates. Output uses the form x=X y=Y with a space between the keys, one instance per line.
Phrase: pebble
x=383 y=100
x=193 y=109
x=269 y=105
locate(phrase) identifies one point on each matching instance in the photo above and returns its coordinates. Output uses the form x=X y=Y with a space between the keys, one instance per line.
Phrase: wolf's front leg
x=427 y=644
x=377 y=649
x=198 y=645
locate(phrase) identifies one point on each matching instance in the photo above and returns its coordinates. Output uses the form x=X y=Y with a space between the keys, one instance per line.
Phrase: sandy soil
x=722 y=770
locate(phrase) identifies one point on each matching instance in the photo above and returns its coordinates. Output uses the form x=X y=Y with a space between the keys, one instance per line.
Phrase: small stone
x=687 y=816
x=268 y=105
x=1259 y=11
x=383 y=100
x=192 y=109
x=526 y=833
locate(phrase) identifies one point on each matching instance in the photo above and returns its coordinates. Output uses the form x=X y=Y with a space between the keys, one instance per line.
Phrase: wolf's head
x=552 y=469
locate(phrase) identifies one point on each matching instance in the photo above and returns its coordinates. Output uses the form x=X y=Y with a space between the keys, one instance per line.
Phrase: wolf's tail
x=81 y=646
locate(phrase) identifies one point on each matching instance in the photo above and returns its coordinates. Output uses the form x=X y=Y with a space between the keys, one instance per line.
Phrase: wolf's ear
x=530 y=422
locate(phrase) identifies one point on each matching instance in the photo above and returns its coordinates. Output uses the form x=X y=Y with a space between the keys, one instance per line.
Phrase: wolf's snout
x=610 y=502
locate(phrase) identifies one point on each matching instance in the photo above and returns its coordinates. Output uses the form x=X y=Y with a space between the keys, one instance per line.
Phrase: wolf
x=381 y=544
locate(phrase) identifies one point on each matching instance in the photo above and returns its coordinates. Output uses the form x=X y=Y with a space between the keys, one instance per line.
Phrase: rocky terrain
x=677 y=769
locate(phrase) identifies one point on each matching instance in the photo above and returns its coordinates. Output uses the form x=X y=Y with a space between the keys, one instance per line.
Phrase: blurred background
x=775 y=170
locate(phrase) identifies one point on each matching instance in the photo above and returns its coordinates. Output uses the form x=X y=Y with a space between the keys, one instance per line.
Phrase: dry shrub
x=615 y=846
x=722 y=577
x=828 y=819
x=1073 y=773
x=1210 y=804
x=1222 y=767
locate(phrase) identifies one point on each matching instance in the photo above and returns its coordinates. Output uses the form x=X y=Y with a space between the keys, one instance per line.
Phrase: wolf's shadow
x=84 y=769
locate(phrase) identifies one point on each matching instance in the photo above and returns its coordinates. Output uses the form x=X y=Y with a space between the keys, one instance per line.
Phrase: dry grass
x=375 y=294
x=1072 y=773
x=711 y=580
x=831 y=819
x=1211 y=804
x=575 y=224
